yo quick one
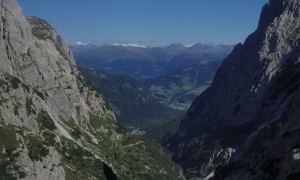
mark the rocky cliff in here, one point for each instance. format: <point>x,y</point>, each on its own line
<point>247,118</point>
<point>53,124</point>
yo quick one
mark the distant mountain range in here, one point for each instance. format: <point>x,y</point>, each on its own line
<point>174,74</point>
<point>144,63</point>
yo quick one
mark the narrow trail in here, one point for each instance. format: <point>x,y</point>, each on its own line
<point>135,144</point>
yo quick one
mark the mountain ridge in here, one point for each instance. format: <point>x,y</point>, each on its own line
<point>144,63</point>
<point>53,124</point>
<point>244,111</point>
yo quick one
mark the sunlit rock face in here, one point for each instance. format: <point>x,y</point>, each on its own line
<point>53,124</point>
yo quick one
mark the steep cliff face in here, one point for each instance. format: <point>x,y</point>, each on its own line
<point>34,54</point>
<point>246,106</point>
<point>53,124</point>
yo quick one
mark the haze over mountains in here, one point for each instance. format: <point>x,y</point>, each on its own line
<point>148,62</point>
<point>175,75</point>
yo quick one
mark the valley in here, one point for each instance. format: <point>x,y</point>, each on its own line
<point>130,110</point>
<point>144,106</point>
<point>179,88</point>
<point>175,75</point>
<point>132,103</point>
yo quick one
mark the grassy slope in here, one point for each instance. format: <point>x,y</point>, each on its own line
<point>133,105</point>
<point>95,152</point>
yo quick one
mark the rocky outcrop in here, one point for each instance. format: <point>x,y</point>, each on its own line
<point>247,105</point>
<point>53,124</point>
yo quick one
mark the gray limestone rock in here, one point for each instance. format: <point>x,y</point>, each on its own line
<point>245,108</point>
<point>53,124</point>
<point>39,80</point>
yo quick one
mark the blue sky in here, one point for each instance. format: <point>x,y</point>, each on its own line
<point>149,22</point>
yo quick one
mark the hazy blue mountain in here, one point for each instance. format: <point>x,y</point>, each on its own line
<point>144,63</point>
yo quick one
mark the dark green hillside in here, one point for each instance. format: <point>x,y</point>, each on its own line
<point>163,132</point>
<point>132,104</point>
<point>179,88</point>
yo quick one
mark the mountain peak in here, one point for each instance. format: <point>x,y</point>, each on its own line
<point>251,91</point>
<point>275,9</point>
<point>53,123</point>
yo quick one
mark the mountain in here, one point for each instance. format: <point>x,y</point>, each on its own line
<point>53,124</point>
<point>146,62</point>
<point>132,103</point>
<point>179,88</point>
<point>246,124</point>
